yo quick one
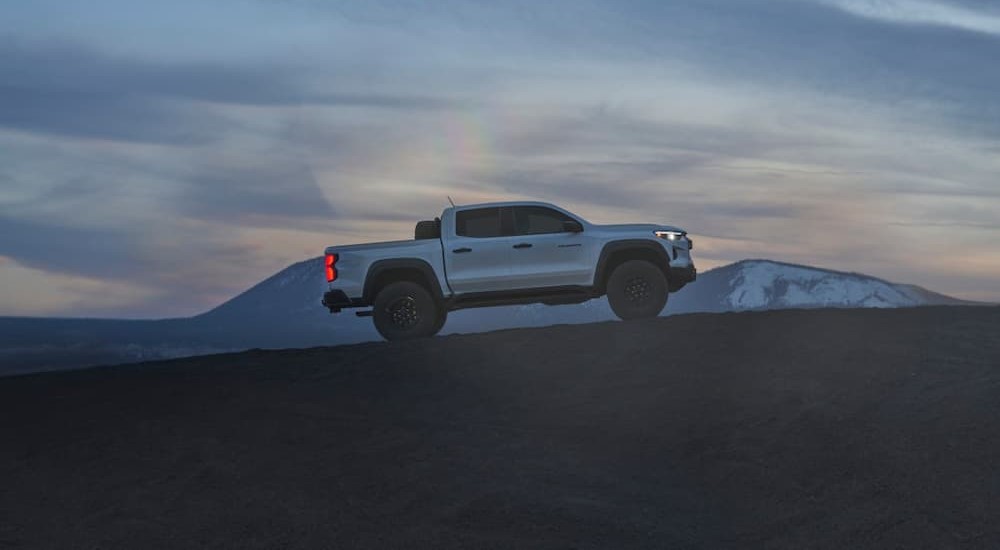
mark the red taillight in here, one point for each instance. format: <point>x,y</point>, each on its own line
<point>331,268</point>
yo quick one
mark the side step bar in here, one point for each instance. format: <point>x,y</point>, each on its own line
<point>546,295</point>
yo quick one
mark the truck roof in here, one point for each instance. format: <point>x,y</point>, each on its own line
<point>503,203</point>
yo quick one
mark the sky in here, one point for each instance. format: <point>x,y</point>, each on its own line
<point>156,159</point>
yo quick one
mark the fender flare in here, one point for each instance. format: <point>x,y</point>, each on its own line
<point>380,267</point>
<point>614,247</point>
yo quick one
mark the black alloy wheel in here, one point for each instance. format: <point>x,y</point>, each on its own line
<point>405,310</point>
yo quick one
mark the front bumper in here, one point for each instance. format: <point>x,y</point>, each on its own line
<point>686,273</point>
<point>682,275</point>
<point>336,300</point>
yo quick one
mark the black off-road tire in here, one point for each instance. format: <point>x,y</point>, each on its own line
<point>406,310</point>
<point>637,289</point>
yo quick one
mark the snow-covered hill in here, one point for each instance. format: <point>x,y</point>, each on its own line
<point>765,284</point>
<point>760,285</point>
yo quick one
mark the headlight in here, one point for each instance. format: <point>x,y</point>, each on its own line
<point>670,235</point>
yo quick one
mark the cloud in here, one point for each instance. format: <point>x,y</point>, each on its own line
<point>72,90</point>
<point>183,233</point>
<point>110,252</point>
<point>818,49</point>
<point>33,292</point>
<point>923,12</point>
<point>77,67</point>
<point>251,192</point>
<point>160,269</point>
<point>95,252</point>
<point>93,115</point>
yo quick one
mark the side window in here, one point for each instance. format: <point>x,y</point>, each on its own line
<point>537,220</point>
<point>479,223</point>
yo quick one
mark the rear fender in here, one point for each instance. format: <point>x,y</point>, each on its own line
<point>407,269</point>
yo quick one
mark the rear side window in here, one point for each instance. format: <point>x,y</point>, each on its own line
<point>479,223</point>
<point>537,220</point>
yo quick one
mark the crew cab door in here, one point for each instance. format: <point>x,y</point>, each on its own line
<point>477,250</point>
<point>545,254</point>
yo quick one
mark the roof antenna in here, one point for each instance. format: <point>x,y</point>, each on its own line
<point>451,201</point>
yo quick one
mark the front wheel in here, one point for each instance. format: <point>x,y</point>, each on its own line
<point>406,310</point>
<point>637,289</point>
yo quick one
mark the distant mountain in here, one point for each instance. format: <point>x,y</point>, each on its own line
<point>283,311</point>
<point>766,284</point>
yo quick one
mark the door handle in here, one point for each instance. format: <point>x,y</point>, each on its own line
<point>522,245</point>
<point>461,250</point>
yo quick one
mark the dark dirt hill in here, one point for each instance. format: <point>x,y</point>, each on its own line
<point>783,429</point>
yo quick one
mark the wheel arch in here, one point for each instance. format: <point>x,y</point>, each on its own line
<point>384,272</point>
<point>616,253</point>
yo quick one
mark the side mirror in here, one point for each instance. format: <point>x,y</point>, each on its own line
<point>572,226</point>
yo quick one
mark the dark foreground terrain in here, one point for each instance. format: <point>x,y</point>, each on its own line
<point>789,429</point>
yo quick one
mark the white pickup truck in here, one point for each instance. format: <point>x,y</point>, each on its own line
<point>506,253</point>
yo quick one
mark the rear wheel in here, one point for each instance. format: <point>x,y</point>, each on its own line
<point>637,289</point>
<point>406,310</point>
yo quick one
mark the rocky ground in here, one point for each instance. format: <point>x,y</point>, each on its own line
<point>785,429</point>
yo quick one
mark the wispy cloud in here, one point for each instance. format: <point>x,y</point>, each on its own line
<point>72,89</point>
<point>923,12</point>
